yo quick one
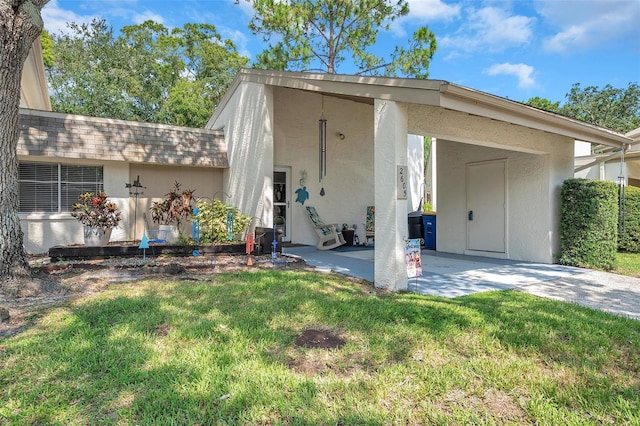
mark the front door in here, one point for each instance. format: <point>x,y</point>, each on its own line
<point>281,200</point>
<point>486,206</point>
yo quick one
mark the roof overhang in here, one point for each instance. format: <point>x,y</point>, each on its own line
<point>428,92</point>
<point>34,92</point>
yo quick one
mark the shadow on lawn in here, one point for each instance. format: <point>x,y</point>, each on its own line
<point>206,352</point>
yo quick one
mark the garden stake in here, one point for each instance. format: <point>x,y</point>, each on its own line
<point>274,253</point>
<point>195,226</point>
<point>249,247</point>
<point>230,225</point>
<point>144,245</point>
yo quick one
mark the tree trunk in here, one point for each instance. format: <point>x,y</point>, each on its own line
<point>20,24</point>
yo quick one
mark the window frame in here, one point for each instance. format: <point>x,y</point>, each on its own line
<point>61,186</point>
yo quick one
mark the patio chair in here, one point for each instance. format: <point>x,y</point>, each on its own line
<point>329,236</point>
<point>370,225</point>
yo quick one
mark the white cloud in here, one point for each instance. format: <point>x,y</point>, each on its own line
<point>423,12</point>
<point>589,23</point>
<point>490,29</point>
<point>55,18</point>
<point>246,7</point>
<point>521,71</point>
<point>147,15</point>
<point>432,10</point>
<point>238,38</point>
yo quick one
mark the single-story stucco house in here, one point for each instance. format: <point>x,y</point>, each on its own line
<point>500,164</point>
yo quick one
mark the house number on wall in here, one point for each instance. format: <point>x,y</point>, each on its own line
<point>402,180</point>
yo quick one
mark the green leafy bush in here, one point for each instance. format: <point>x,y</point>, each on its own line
<point>629,238</point>
<point>212,215</point>
<point>589,223</point>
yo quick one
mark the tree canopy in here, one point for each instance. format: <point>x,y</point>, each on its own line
<point>610,107</point>
<point>147,73</point>
<point>614,108</point>
<point>323,35</point>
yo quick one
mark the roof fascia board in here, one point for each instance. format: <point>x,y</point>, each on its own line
<point>425,92</point>
<point>34,77</point>
<point>479,103</point>
<point>634,134</point>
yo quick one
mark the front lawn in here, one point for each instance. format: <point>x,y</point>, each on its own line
<point>627,264</point>
<point>223,351</point>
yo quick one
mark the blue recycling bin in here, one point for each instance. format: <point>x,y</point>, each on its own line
<point>429,227</point>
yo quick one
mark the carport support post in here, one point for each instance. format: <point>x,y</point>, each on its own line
<point>390,151</point>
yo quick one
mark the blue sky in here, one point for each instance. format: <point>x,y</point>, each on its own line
<point>516,49</point>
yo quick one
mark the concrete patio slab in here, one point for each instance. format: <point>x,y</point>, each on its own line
<point>451,275</point>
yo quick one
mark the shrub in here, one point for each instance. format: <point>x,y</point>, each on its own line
<point>629,237</point>
<point>589,223</point>
<point>212,215</point>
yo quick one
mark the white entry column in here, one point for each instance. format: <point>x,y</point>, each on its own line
<point>390,151</point>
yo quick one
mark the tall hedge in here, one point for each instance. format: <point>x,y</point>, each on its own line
<point>589,223</point>
<point>629,238</point>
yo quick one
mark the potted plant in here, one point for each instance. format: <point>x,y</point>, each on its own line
<point>98,215</point>
<point>169,213</point>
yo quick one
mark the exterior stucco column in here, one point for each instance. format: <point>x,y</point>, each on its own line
<point>248,122</point>
<point>390,151</point>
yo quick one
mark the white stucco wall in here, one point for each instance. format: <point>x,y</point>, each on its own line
<point>247,122</point>
<point>158,180</point>
<point>348,184</point>
<point>533,194</point>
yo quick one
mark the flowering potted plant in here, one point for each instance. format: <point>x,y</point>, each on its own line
<point>98,215</point>
<point>169,213</point>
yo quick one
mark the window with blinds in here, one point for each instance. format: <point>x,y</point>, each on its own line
<point>53,188</point>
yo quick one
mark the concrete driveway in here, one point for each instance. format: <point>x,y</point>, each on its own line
<point>451,275</point>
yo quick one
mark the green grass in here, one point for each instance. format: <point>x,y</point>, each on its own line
<point>222,352</point>
<point>628,264</point>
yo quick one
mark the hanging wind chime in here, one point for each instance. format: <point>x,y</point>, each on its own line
<point>322,147</point>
